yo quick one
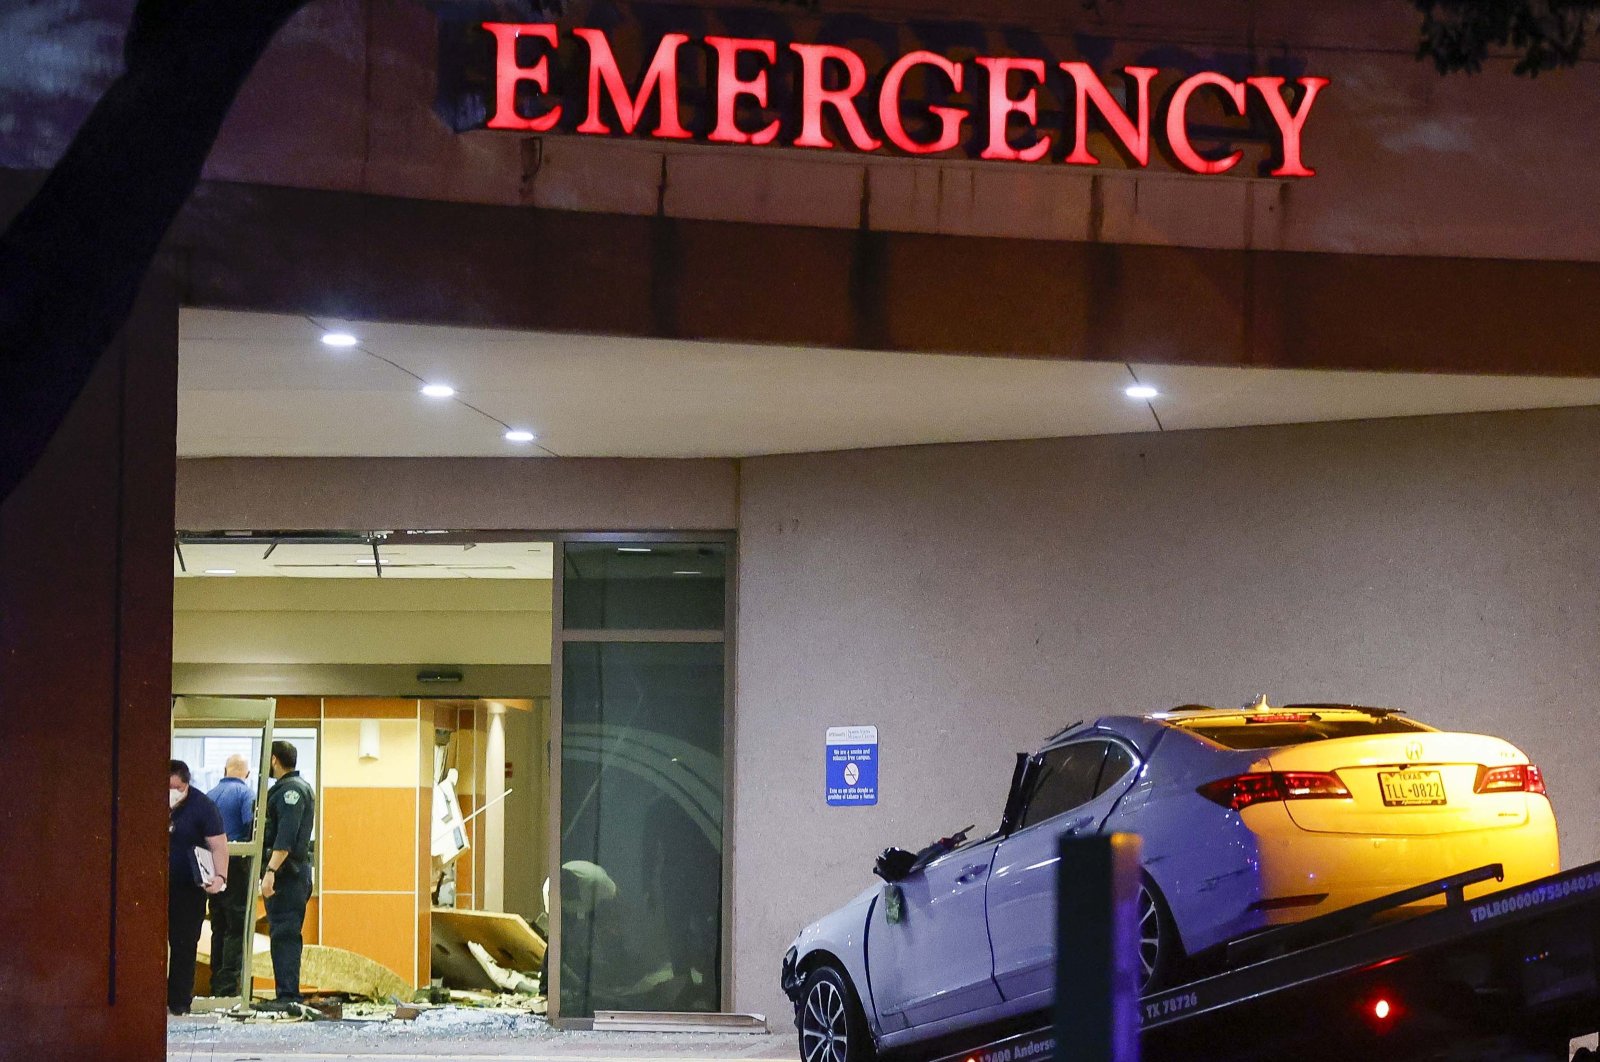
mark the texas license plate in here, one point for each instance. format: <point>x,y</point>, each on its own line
<point>1411,788</point>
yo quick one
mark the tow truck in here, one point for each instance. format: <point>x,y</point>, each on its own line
<point>1512,975</point>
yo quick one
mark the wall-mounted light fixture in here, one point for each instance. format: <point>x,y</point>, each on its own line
<point>367,743</point>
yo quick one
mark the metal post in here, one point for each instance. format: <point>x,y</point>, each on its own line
<point>1096,1015</point>
<point>252,850</point>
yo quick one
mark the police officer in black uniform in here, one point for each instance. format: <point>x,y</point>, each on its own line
<point>286,881</point>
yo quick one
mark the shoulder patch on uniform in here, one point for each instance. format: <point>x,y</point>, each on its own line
<point>291,797</point>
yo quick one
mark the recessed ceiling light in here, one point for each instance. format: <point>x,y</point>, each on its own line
<point>339,339</point>
<point>633,549</point>
<point>438,390</point>
<point>1141,391</point>
<point>366,560</point>
<point>222,571</point>
<point>517,435</point>
<point>688,573</point>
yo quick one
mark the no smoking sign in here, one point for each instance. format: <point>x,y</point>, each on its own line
<point>850,763</point>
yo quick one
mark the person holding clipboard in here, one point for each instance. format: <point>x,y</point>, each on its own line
<point>197,867</point>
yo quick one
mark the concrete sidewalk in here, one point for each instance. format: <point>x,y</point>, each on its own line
<point>455,1034</point>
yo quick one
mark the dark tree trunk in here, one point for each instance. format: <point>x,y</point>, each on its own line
<point>71,262</point>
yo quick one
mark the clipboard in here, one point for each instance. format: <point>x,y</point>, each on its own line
<point>205,866</point>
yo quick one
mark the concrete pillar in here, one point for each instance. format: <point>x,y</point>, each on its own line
<point>85,676</point>
<point>493,834</point>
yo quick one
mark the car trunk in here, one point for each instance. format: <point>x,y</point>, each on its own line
<point>1417,784</point>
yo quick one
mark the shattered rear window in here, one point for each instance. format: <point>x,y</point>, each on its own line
<point>1263,732</point>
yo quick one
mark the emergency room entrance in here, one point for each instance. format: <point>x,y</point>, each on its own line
<point>474,710</point>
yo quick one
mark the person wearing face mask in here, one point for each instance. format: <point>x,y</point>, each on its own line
<point>196,823</point>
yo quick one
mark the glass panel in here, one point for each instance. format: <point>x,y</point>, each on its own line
<point>206,751</point>
<point>1119,761</point>
<point>644,586</point>
<point>641,827</point>
<point>1269,733</point>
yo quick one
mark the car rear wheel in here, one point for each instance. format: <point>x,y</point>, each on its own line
<point>832,1027</point>
<point>1157,937</point>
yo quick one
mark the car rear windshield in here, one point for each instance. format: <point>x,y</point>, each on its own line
<point>1241,732</point>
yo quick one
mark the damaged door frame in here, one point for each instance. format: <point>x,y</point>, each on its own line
<point>196,712</point>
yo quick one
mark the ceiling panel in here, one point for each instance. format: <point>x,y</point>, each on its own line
<point>1193,397</point>
<point>286,366</point>
<point>311,423</point>
<point>262,385</point>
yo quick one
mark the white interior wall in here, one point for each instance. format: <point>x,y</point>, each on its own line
<point>223,620</point>
<point>526,809</point>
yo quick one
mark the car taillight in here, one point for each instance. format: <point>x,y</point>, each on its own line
<point>1242,790</point>
<point>1521,778</point>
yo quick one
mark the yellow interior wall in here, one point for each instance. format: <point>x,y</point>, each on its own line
<point>349,621</point>
<point>373,885</point>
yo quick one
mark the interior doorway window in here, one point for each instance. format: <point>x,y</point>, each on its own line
<point>644,586</point>
<point>207,751</point>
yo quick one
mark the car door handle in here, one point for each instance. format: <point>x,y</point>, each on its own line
<point>970,874</point>
<point>1079,823</point>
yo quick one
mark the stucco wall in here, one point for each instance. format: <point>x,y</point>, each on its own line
<point>478,494</point>
<point>970,600</point>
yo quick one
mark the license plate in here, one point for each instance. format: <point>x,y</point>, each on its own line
<point>1411,788</point>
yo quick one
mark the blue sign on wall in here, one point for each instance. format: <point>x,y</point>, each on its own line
<point>851,761</point>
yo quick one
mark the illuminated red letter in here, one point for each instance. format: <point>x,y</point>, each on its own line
<point>1178,122</point>
<point>889,105</point>
<point>813,96</point>
<point>730,87</point>
<point>508,74</point>
<point>1002,106</point>
<point>663,73</point>
<point>1136,138</point>
<point>1290,125</point>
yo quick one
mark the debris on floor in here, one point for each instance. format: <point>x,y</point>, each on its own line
<point>476,1020</point>
<point>440,1034</point>
<point>510,1003</point>
<point>488,963</point>
<point>507,940</point>
<point>323,970</point>
<point>505,980</point>
<point>474,1010</point>
<point>333,970</point>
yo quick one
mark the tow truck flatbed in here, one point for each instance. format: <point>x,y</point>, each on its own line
<point>1514,974</point>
